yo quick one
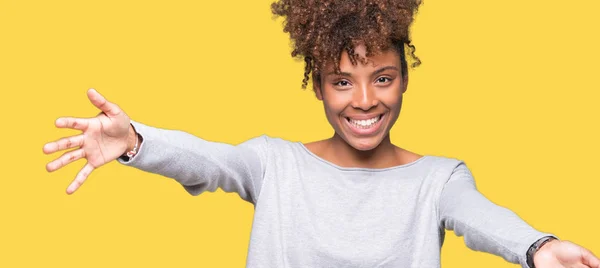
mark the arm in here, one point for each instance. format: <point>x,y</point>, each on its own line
<point>485,226</point>
<point>201,165</point>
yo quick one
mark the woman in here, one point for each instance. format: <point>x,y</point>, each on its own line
<point>353,200</point>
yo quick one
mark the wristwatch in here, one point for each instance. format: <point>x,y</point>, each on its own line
<point>535,247</point>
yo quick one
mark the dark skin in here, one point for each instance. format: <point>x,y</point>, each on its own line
<point>363,91</point>
<point>376,88</point>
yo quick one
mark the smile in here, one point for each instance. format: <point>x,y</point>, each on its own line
<point>365,126</point>
<point>364,123</point>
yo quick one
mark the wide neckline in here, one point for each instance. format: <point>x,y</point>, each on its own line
<point>322,160</point>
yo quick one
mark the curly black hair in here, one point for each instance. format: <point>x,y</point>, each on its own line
<point>321,29</point>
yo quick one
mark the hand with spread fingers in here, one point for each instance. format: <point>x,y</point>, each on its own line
<point>564,254</point>
<point>104,138</point>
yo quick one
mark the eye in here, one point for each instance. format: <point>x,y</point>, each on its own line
<point>383,79</point>
<point>342,83</point>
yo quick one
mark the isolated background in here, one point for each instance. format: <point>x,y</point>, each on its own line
<point>511,87</point>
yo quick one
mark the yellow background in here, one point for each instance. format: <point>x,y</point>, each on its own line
<point>511,87</point>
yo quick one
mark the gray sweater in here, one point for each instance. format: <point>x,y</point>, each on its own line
<point>312,213</point>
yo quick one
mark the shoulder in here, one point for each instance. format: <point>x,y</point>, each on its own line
<point>445,167</point>
<point>268,143</point>
<point>449,169</point>
<point>444,162</point>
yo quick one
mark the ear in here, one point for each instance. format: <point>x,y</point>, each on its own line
<point>317,87</point>
<point>404,83</point>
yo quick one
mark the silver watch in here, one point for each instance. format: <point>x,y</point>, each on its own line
<point>535,247</point>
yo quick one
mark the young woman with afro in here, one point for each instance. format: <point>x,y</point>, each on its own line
<point>352,200</point>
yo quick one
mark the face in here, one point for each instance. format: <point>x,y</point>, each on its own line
<point>363,101</point>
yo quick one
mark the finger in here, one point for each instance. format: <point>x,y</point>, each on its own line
<point>63,144</point>
<point>109,108</point>
<point>72,122</point>
<point>589,259</point>
<point>65,159</point>
<point>80,178</point>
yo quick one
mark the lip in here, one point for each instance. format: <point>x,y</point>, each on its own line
<point>365,131</point>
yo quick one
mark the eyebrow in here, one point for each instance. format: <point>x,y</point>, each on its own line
<point>378,71</point>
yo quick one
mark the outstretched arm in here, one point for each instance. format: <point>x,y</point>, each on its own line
<point>494,229</point>
<point>491,228</point>
<point>200,165</point>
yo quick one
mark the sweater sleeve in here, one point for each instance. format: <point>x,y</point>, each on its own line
<point>485,226</point>
<point>200,165</point>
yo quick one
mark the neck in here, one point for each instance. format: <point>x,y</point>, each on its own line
<point>384,155</point>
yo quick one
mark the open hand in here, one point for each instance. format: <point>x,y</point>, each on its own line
<point>104,139</point>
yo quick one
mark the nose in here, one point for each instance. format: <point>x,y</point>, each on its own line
<point>364,98</point>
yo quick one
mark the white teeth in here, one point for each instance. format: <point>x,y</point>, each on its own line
<point>365,123</point>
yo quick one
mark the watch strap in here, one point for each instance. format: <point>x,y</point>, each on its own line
<point>535,247</point>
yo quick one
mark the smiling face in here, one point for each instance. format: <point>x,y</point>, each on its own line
<point>363,101</point>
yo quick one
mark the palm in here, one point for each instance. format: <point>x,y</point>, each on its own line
<point>103,140</point>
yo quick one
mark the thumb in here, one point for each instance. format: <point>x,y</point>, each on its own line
<point>109,108</point>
